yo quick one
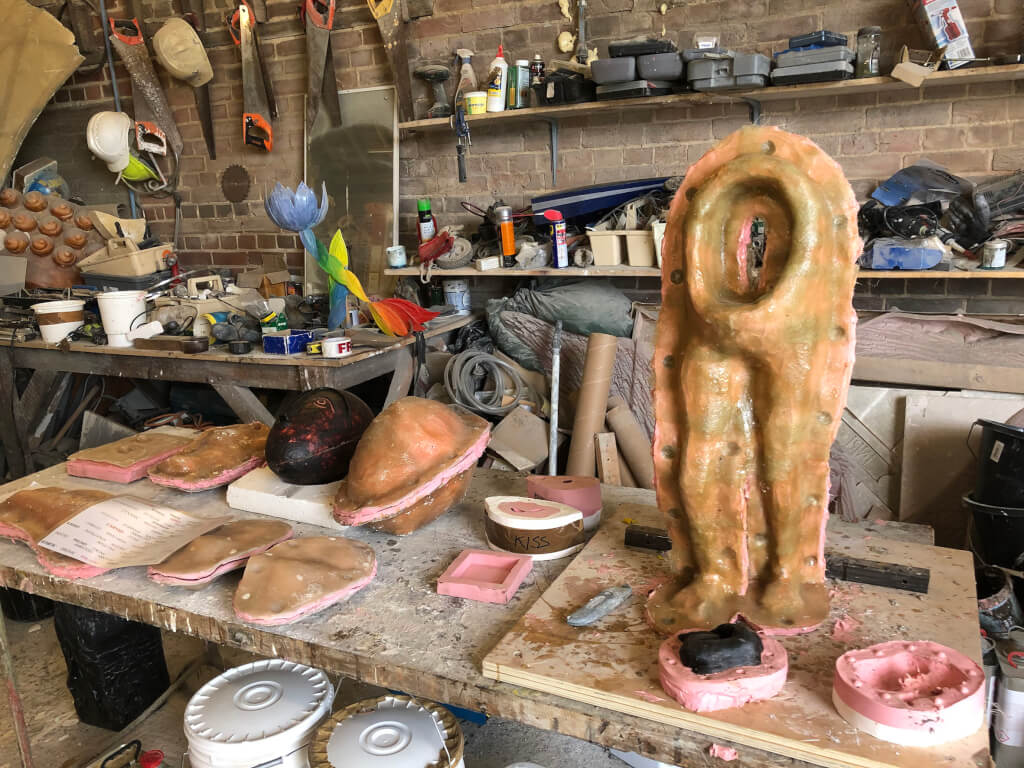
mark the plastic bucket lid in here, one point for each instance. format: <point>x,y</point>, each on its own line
<point>257,712</point>
<point>390,732</point>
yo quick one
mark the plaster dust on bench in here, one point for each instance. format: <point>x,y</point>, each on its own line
<point>614,664</point>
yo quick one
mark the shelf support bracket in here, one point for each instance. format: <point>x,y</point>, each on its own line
<point>755,110</point>
<point>553,147</point>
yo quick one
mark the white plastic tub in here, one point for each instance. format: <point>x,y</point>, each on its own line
<point>59,318</point>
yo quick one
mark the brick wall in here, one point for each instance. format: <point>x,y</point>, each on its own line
<point>974,130</point>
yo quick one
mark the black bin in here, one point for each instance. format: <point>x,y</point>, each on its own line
<point>1000,465</point>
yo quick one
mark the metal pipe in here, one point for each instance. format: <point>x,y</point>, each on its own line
<point>556,375</point>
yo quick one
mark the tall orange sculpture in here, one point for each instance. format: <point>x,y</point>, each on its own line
<point>752,366</point>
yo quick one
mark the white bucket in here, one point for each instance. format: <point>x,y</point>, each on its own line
<point>121,311</point>
<point>257,713</point>
<point>59,318</point>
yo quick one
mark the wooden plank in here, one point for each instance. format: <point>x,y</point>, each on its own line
<point>935,435</point>
<point>390,633</point>
<point>13,448</point>
<point>244,403</point>
<point>614,664</point>
<point>940,374</point>
<point>838,88</point>
<point>1013,273</point>
<point>607,455</point>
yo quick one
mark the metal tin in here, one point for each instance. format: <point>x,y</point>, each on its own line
<point>396,256</point>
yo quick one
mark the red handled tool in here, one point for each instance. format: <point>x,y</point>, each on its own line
<point>323,85</point>
<point>256,110</point>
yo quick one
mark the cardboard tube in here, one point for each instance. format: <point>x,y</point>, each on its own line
<point>634,444</point>
<point>593,399</point>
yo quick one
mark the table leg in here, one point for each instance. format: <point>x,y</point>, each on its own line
<point>13,698</point>
<point>244,403</point>
<point>401,380</point>
<point>8,428</point>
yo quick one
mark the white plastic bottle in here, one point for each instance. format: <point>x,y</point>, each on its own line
<point>497,82</point>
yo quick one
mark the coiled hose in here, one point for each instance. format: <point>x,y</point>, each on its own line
<point>465,369</point>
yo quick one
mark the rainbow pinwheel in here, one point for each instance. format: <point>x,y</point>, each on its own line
<point>298,211</point>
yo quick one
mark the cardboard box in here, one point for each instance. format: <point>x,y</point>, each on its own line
<point>944,27</point>
<point>270,280</point>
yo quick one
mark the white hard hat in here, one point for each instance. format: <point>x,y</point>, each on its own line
<point>107,136</point>
<point>180,51</point>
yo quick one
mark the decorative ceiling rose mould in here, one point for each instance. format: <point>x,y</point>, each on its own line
<point>745,418</point>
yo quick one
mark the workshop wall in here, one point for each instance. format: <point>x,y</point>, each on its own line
<point>973,130</point>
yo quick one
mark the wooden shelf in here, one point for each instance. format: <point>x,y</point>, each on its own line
<point>542,272</point>
<point>865,274</point>
<point>772,93</point>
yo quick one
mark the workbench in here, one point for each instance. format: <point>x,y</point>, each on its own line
<point>232,376</point>
<point>397,632</point>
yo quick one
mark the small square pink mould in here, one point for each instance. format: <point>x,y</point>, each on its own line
<point>479,574</point>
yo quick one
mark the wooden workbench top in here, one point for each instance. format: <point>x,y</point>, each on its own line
<point>397,632</point>
<point>436,327</point>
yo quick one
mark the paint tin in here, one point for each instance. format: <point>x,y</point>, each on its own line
<point>993,254</point>
<point>476,102</point>
<point>456,294</point>
<point>257,713</point>
<point>396,256</point>
<point>544,530</point>
<point>394,731</point>
<point>337,346</point>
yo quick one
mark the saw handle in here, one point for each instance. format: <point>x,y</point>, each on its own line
<point>257,131</point>
<point>234,26</point>
<point>128,24</point>
<point>323,19</point>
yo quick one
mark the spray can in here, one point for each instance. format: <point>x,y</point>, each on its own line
<point>536,79</point>
<point>497,82</point>
<point>559,249</point>
<point>507,234</point>
<point>427,224</point>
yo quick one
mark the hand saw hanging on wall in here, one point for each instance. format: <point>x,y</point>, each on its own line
<point>256,111</point>
<point>155,126</point>
<point>323,84</point>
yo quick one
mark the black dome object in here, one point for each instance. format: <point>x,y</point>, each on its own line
<point>315,435</point>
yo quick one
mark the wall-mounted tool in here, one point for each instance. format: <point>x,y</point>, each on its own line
<point>581,37</point>
<point>256,111</point>
<point>180,51</point>
<point>462,139</point>
<point>437,76</point>
<point>389,17</point>
<point>152,112</point>
<point>323,84</point>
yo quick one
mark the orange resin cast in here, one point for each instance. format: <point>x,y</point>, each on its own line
<point>752,367</point>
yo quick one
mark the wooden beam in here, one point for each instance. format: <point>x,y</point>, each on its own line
<point>244,403</point>
<point>401,379</point>
<point>943,375</point>
<point>8,429</point>
<point>607,454</point>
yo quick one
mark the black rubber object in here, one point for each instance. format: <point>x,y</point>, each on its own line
<point>239,347</point>
<point>725,647</point>
<point>116,668</point>
<point>21,606</point>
